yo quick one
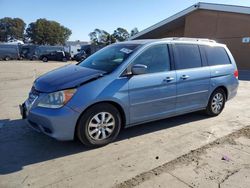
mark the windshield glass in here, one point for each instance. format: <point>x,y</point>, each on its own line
<point>109,58</point>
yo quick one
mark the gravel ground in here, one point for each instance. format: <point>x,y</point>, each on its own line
<point>185,151</point>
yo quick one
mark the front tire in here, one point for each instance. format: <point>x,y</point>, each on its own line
<point>216,102</point>
<point>99,125</point>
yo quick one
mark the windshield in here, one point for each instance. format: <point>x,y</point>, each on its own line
<point>109,58</point>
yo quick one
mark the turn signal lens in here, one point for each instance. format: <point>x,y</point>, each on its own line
<point>68,94</point>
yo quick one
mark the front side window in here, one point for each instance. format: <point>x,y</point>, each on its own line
<point>187,56</point>
<point>156,58</point>
<point>109,58</point>
<point>216,55</point>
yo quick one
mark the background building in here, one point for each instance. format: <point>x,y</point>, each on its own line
<point>226,24</point>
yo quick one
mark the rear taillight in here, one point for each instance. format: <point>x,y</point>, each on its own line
<point>236,73</point>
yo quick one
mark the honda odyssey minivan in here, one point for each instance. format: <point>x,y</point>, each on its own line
<point>130,83</point>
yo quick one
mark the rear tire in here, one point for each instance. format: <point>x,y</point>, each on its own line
<point>64,59</point>
<point>45,59</point>
<point>7,58</point>
<point>216,102</point>
<point>99,125</point>
<point>33,58</point>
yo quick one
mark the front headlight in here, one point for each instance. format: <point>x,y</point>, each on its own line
<point>57,99</point>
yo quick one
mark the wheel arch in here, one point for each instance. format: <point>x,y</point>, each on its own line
<point>115,104</point>
<point>221,87</point>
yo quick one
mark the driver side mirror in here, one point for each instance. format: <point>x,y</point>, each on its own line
<point>138,69</point>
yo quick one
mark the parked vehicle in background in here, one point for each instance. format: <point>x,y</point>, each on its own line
<point>38,51</point>
<point>55,56</point>
<point>15,41</point>
<point>80,56</point>
<point>9,52</point>
<point>130,83</point>
<point>27,50</point>
<point>86,51</point>
<point>73,47</point>
<point>73,50</point>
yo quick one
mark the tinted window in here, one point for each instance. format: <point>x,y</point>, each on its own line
<point>187,56</point>
<point>216,56</point>
<point>156,58</point>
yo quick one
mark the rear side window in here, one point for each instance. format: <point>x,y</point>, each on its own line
<point>187,56</point>
<point>216,55</point>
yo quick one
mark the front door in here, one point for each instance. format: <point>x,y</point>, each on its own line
<point>152,95</point>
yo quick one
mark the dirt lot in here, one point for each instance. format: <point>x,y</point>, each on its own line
<point>185,151</point>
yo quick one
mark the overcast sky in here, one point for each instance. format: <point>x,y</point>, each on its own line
<point>83,16</point>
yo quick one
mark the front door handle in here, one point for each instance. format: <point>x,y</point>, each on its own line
<point>168,79</point>
<point>184,77</point>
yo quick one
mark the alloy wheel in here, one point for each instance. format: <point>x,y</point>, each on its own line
<point>217,103</point>
<point>101,126</point>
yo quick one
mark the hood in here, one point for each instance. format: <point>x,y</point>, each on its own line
<point>65,77</point>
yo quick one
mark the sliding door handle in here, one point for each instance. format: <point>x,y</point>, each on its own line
<point>184,77</point>
<point>168,79</point>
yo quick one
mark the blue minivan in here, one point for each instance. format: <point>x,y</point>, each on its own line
<point>130,83</point>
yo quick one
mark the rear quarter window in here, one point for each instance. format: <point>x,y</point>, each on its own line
<point>216,56</point>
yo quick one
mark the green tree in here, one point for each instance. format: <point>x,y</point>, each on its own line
<point>11,28</point>
<point>47,32</point>
<point>101,37</point>
<point>121,34</point>
<point>134,32</point>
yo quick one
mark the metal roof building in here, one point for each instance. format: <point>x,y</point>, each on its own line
<point>227,24</point>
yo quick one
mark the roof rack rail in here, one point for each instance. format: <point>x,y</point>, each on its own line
<point>190,39</point>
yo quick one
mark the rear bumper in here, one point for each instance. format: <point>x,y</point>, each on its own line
<point>57,123</point>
